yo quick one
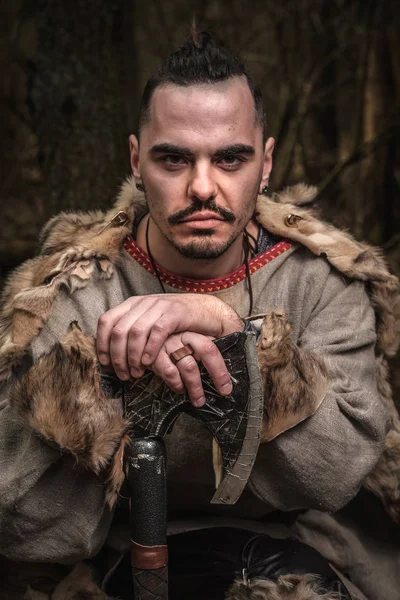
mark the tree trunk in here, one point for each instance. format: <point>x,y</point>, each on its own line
<point>70,103</point>
<point>82,98</point>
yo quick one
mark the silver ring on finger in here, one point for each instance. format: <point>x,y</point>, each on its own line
<point>177,355</point>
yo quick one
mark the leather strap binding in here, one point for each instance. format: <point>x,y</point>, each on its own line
<point>148,557</point>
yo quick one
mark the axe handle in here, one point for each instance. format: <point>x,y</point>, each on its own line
<point>148,518</point>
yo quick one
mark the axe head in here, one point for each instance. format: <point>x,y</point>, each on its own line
<point>235,421</point>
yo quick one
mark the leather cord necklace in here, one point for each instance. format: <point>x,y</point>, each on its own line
<point>153,263</point>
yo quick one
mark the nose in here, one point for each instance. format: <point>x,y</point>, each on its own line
<point>202,184</point>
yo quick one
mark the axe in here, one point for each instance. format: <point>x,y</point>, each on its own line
<point>235,423</point>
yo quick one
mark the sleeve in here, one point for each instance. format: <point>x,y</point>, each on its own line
<point>322,461</point>
<point>50,510</point>
<point>59,436</point>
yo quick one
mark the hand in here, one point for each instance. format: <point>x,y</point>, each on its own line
<point>130,336</point>
<point>185,374</point>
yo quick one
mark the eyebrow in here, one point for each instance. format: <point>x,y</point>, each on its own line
<point>170,149</point>
<point>235,149</point>
<point>166,148</point>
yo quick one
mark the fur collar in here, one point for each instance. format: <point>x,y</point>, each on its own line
<point>284,215</point>
<point>76,245</point>
<point>73,244</point>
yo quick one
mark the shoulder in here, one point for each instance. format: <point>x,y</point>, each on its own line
<point>347,259</point>
<point>76,250</point>
<point>286,215</point>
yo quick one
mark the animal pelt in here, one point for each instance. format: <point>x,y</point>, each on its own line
<point>18,577</point>
<point>76,246</point>
<point>78,585</point>
<point>287,587</point>
<point>48,581</point>
<point>285,217</point>
<point>62,400</point>
<point>295,380</point>
<point>73,246</point>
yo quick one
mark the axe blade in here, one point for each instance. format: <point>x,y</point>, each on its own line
<point>234,421</point>
<point>236,474</point>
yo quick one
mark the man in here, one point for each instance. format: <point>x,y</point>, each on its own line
<point>201,160</point>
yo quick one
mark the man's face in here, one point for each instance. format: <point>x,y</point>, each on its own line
<point>202,162</point>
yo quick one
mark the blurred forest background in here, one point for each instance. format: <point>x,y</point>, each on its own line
<point>72,75</point>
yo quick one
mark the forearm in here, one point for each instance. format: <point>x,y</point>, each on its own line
<point>53,477</point>
<point>49,509</point>
<point>322,460</point>
<point>58,437</point>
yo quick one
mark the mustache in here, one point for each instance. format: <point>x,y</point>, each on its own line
<point>197,207</point>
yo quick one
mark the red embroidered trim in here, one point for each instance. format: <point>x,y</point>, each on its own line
<point>204,285</point>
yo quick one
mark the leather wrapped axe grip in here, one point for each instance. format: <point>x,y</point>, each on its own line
<point>148,518</point>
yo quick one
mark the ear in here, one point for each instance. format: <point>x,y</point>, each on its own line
<point>134,154</point>
<point>268,150</point>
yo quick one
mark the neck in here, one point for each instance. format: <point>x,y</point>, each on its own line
<point>168,257</point>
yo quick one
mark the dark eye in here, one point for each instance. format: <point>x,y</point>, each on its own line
<point>231,161</point>
<point>173,159</point>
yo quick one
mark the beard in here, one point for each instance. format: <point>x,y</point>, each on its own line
<point>203,246</point>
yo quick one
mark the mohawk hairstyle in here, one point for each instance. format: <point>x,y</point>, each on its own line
<point>202,59</point>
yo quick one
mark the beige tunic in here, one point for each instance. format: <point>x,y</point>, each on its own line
<point>49,510</point>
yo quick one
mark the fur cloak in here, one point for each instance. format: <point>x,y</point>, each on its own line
<point>74,245</point>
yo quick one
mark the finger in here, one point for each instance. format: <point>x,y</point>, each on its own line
<point>190,375</point>
<point>164,368</point>
<point>151,319</point>
<point>165,325</point>
<point>206,315</point>
<point>106,324</point>
<point>212,359</point>
<point>127,340</point>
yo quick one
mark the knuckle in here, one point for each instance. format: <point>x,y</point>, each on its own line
<point>103,320</point>
<point>118,364</point>
<point>170,372</point>
<point>191,367</point>
<point>151,346</point>
<point>221,377</point>
<point>118,333</point>
<point>137,330</point>
<point>196,391</point>
<point>167,302</point>
<point>133,360</point>
<point>211,349</point>
<point>159,327</point>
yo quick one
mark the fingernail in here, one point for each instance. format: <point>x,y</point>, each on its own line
<point>135,373</point>
<point>199,402</point>
<point>226,388</point>
<point>104,359</point>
